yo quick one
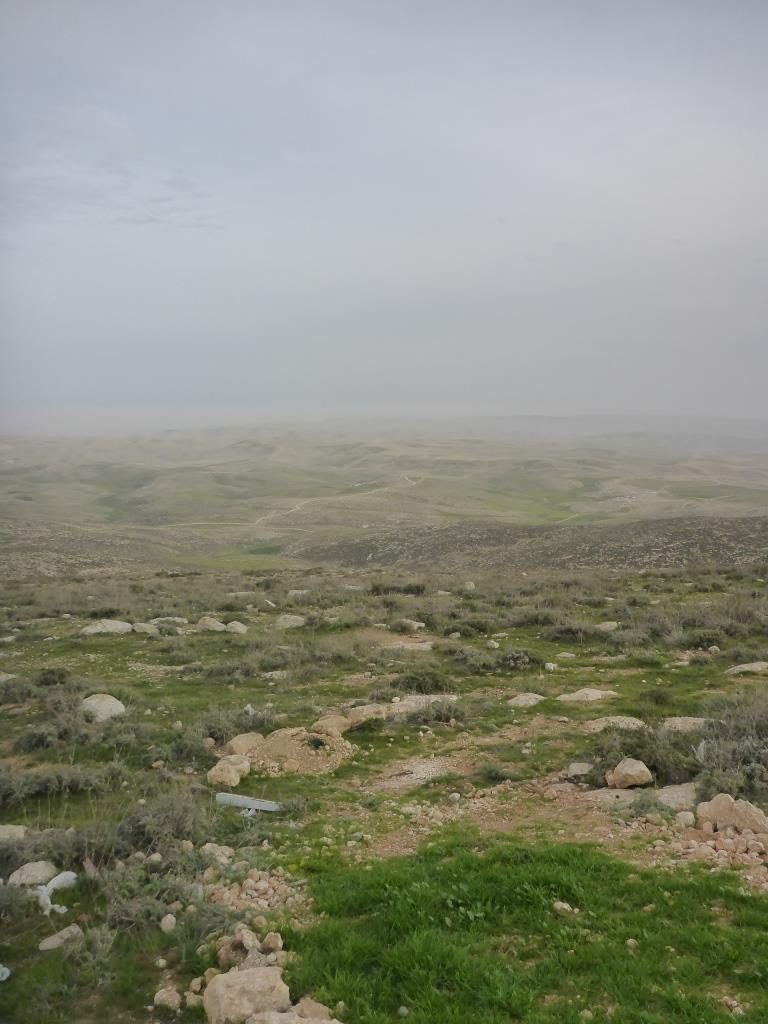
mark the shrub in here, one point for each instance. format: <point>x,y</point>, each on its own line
<point>422,679</point>
<point>438,711</point>
<point>152,826</point>
<point>669,755</point>
<point>57,676</point>
<point>733,753</point>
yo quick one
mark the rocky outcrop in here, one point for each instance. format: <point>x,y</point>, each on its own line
<point>722,812</point>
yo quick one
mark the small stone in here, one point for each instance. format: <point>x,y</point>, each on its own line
<point>168,923</point>
<point>72,933</point>
<point>272,942</point>
<point>168,998</point>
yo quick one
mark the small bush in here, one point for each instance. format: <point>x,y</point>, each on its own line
<point>422,679</point>
<point>441,711</point>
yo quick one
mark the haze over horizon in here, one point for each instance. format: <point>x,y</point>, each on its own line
<point>443,208</point>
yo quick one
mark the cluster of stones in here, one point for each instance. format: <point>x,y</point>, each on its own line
<point>266,890</point>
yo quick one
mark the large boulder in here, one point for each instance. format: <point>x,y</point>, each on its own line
<point>35,872</point>
<point>102,706</point>
<point>607,627</point>
<point>586,695</point>
<point>723,812</point>
<point>750,668</point>
<point>614,722</point>
<point>525,700</point>
<point>684,723</point>
<point>289,621</point>
<point>233,997</point>
<point>210,625</point>
<point>678,798</point>
<point>12,833</point>
<point>113,626</point>
<point>229,770</point>
<point>243,743</point>
<point>332,725</point>
<point>148,628</point>
<point>628,772</point>
<point>237,627</point>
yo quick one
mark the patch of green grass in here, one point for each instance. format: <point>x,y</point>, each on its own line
<point>465,931</point>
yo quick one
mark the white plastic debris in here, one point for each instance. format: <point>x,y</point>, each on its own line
<point>5,973</point>
<point>64,880</point>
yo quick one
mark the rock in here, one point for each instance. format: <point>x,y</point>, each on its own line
<point>168,923</point>
<point>493,645</point>
<point>211,625</point>
<point>550,666</point>
<point>244,743</point>
<point>288,621</point>
<point>272,942</point>
<point>723,811</point>
<point>232,997</point>
<point>627,773</point>
<point>468,587</point>
<point>613,722</point>
<point>612,798</point>
<point>525,700</point>
<point>149,628</point>
<point>413,625</point>
<point>221,855</point>
<point>169,620</point>
<point>578,769</point>
<point>309,1009</point>
<point>684,723</point>
<point>415,646</point>
<point>72,933</point>
<point>607,627</point>
<point>102,706</point>
<point>563,909</point>
<point>6,677</point>
<point>586,695</point>
<point>112,626</point>
<point>677,798</point>
<point>332,725</point>
<point>229,770</point>
<point>35,872</point>
<point>237,627</point>
<point>167,998</point>
<point>750,668</point>
<point>10,833</point>
<point>685,819</point>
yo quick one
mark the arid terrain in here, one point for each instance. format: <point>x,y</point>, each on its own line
<point>506,699</point>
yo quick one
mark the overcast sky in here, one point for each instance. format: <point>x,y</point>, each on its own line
<point>530,206</point>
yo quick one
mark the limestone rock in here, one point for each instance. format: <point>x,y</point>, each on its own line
<point>237,627</point>
<point>243,743</point>
<point>607,627</point>
<point>148,628</point>
<point>309,1009</point>
<point>332,725</point>
<point>613,722</point>
<point>678,798</point>
<point>723,811</point>
<point>750,668</point>
<point>629,772</point>
<point>9,833</point>
<point>35,872</point>
<point>211,625</point>
<point>684,723</point>
<point>586,695</point>
<point>168,923</point>
<point>578,769</point>
<point>289,621</point>
<point>233,997</point>
<point>168,998</point>
<point>169,620</point>
<point>72,933</point>
<point>110,626</point>
<point>229,770</point>
<point>525,700</point>
<point>102,706</point>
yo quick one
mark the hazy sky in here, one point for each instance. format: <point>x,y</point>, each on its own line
<point>523,206</point>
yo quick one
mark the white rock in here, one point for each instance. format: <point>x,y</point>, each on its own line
<point>148,628</point>
<point>525,700</point>
<point>36,872</point>
<point>750,668</point>
<point>168,998</point>
<point>169,620</point>
<point>586,695</point>
<point>684,723</point>
<point>112,626</point>
<point>685,819</point>
<point>613,722</point>
<point>578,769</point>
<point>9,833</point>
<point>102,706</point>
<point>72,933</point>
<point>288,621</point>
<point>237,627</point>
<point>723,811</point>
<point>210,625</point>
<point>233,997</point>
<point>677,798</point>
<point>627,773</point>
<point>168,923</point>
<point>607,627</point>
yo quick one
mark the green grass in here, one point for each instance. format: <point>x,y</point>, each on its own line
<point>465,931</point>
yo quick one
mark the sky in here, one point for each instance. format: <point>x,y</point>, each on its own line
<point>221,210</point>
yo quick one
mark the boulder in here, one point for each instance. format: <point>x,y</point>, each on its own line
<point>365,713</point>
<point>289,621</point>
<point>148,628</point>
<point>750,668</point>
<point>168,998</point>
<point>35,872</point>
<point>525,700</point>
<point>684,723</point>
<point>102,706</point>
<point>578,769</point>
<point>237,627</point>
<point>309,1009</point>
<point>613,722</point>
<point>229,770</point>
<point>678,798</point>
<point>112,626</point>
<point>607,627</point>
<point>723,811</point>
<point>332,725</point>
<point>586,695</point>
<point>211,625</point>
<point>243,743</point>
<point>628,772</point>
<point>72,933</point>
<point>169,620</point>
<point>233,997</point>
<point>413,624</point>
<point>10,833</point>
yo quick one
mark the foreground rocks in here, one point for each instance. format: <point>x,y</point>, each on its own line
<point>629,772</point>
<point>233,997</point>
<point>722,812</point>
<point>100,707</point>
